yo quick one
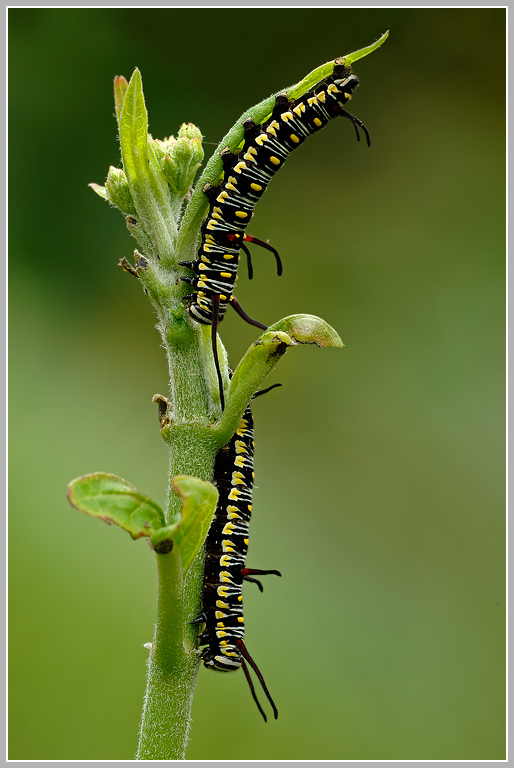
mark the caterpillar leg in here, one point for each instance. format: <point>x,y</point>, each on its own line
<point>242,648</point>
<point>200,619</point>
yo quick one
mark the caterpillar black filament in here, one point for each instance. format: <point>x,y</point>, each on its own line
<point>246,175</point>
<point>225,568</point>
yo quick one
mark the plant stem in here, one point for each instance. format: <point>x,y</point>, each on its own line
<point>172,666</point>
<point>174,661</point>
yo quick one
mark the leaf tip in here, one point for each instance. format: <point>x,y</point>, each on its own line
<point>100,191</point>
<point>120,88</point>
<point>308,329</point>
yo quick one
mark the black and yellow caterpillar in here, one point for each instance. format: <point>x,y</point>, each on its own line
<point>225,563</point>
<point>246,175</point>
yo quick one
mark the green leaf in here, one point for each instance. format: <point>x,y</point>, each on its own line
<point>114,500</point>
<point>308,329</point>
<point>199,504</point>
<point>320,73</point>
<point>351,57</point>
<point>254,367</point>
<point>134,132</point>
<point>101,191</point>
<point>262,357</point>
<point>145,177</point>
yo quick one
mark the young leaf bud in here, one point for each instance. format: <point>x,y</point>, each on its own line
<point>118,190</point>
<point>120,86</point>
<point>187,155</point>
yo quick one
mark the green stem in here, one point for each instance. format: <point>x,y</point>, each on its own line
<point>174,661</point>
<point>189,390</point>
<point>173,664</point>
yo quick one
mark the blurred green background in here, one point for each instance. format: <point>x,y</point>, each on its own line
<point>379,468</point>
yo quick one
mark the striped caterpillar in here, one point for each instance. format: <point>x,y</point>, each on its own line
<point>225,568</point>
<point>246,175</point>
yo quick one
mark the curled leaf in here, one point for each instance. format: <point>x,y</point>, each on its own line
<point>308,329</point>
<point>261,358</point>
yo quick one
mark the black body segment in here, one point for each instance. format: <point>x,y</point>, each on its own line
<point>246,175</point>
<point>225,563</point>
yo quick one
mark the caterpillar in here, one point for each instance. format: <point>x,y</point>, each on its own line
<point>246,175</point>
<point>225,568</point>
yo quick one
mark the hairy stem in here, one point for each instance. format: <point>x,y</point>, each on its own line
<point>174,661</point>
<point>172,666</point>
